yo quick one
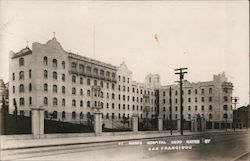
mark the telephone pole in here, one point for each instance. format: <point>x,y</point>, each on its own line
<point>235,102</point>
<point>181,72</point>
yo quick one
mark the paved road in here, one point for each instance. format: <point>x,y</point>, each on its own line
<point>218,147</point>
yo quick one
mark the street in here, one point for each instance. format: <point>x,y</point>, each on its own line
<point>209,146</point>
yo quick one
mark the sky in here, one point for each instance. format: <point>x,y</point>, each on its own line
<point>208,37</point>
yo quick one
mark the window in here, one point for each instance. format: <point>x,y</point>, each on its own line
<point>95,82</point>
<point>107,74</point>
<point>74,115</point>
<point>176,100</point>
<point>202,99</point>
<point>30,73</point>
<point>189,108</point>
<point>13,89</point>
<point>101,83</point>
<point>45,101</point>
<point>46,115</point>
<point>225,115</point>
<point>81,68</point>
<point>88,104</point>
<point>195,99</point>
<point>189,116</point>
<point>113,96</point>
<point>189,99</point>
<point>54,101</point>
<point>107,105</point>
<point>225,98</point>
<point>88,82</point>
<point>123,88</point>
<point>81,115</point>
<point>128,80</point>
<point>210,91</point>
<point>88,92</point>
<point>225,107</point>
<point>88,69</point>
<point>113,86</point>
<point>195,91</point>
<point>73,79</point>
<point>81,103</point>
<point>21,88</point>
<point>202,91</point>
<point>176,92</point>
<point>81,92</point>
<point>102,72</point>
<point>21,75</point>
<point>202,108</point>
<point>13,76</point>
<point>73,90</point>
<point>54,63</point>
<point>30,87</point>
<point>210,99</point>
<point>63,89</point>
<point>21,101</point>
<point>55,88</point>
<point>107,115</point>
<point>63,102</point>
<point>81,80</point>
<point>45,87</point>
<point>210,107</point>
<point>63,77</point>
<point>63,115</point>
<point>164,93</point>
<point>164,109</point>
<point>176,109</point>
<point>195,108</point>
<point>73,102</point>
<point>225,90</point>
<point>21,62</point>
<point>63,64</point>
<point>54,114</point>
<point>189,91</point>
<point>113,106</point>
<point>123,79</point>
<point>107,85</point>
<point>54,75</point>
<point>95,71</point>
<point>45,60</point>
<point>210,116</point>
<point>30,100</point>
<point>45,74</point>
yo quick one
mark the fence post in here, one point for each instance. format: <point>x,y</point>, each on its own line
<point>160,123</point>
<point>37,122</point>
<point>98,123</point>
<point>135,123</point>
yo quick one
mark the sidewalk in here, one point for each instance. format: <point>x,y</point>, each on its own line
<point>8,144</point>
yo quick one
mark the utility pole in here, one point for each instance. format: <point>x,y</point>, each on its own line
<point>235,101</point>
<point>170,109</point>
<point>181,72</point>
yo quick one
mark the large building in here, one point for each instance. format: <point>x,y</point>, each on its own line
<point>65,84</point>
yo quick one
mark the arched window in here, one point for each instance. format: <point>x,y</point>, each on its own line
<point>13,76</point>
<point>63,64</point>
<point>95,82</point>
<point>81,68</point>
<point>102,72</point>
<point>45,101</point>
<point>21,75</point>
<point>74,115</point>
<point>54,63</point>
<point>81,92</point>
<point>95,71</point>
<point>81,103</point>
<point>210,116</point>
<point>30,73</point>
<point>45,74</point>
<point>63,102</point>
<point>73,102</point>
<point>73,66</point>
<point>21,101</point>
<point>55,88</point>
<point>88,92</point>
<point>108,74</point>
<point>63,89</point>
<point>88,69</point>
<point>54,101</point>
<point>21,62</point>
<point>81,80</point>
<point>88,104</point>
<point>30,87</point>
<point>73,79</point>
<point>30,100</point>
<point>88,82</point>
<point>21,88</point>
<point>13,89</point>
<point>63,115</point>
<point>45,60</point>
<point>63,77</point>
<point>46,114</point>
<point>54,75</point>
<point>73,90</point>
<point>45,87</point>
<point>54,114</point>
